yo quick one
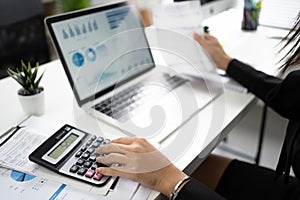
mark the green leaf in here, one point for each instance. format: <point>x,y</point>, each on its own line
<point>18,70</point>
<point>15,76</point>
<point>29,70</point>
<point>20,81</point>
<point>33,77</point>
<point>31,89</point>
<point>11,72</point>
<point>36,85</point>
<point>23,77</point>
<point>26,76</point>
<point>25,70</point>
<point>28,83</point>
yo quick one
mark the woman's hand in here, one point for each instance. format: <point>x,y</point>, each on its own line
<point>214,50</point>
<point>138,160</point>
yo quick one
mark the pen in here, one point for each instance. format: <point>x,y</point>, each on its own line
<point>7,132</point>
<point>112,187</point>
<point>276,37</point>
<point>13,130</point>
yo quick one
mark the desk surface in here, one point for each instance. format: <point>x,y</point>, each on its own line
<point>212,123</point>
<point>62,107</point>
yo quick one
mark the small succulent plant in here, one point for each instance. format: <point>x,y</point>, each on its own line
<point>28,78</point>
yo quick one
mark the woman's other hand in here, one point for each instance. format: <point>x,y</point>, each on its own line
<point>214,50</point>
<point>137,160</point>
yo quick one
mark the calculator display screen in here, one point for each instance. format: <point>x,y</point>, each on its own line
<point>63,146</point>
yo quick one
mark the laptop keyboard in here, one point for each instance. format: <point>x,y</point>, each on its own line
<point>125,101</point>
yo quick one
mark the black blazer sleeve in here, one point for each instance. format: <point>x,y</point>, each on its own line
<point>195,190</point>
<point>281,95</point>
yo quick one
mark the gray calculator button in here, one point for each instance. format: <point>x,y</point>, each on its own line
<point>100,139</point>
<point>88,143</point>
<point>82,171</point>
<point>85,156</point>
<point>87,164</point>
<point>94,166</point>
<point>74,168</point>
<point>90,150</point>
<point>96,144</point>
<point>80,161</point>
<point>83,148</point>
<point>93,158</point>
<point>78,154</point>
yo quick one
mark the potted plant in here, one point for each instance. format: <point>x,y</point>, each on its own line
<point>31,95</point>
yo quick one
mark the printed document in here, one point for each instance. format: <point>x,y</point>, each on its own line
<point>15,152</point>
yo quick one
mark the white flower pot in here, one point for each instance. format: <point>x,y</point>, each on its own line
<point>33,104</point>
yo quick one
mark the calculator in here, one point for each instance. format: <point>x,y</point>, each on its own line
<point>70,152</point>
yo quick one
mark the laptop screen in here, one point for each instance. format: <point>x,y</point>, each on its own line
<point>100,48</point>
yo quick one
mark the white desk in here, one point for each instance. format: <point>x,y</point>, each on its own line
<point>60,106</point>
<point>217,119</point>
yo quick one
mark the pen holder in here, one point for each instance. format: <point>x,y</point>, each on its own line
<point>250,19</point>
<point>251,14</point>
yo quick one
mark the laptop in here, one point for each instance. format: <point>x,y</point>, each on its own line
<point>110,67</point>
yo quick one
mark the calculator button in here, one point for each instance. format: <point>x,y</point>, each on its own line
<point>74,169</point>
<point>97,176</point>
<point>92,158</point>
<point>88,143</point>
<point>78,154</point>
<point>94,166</point>
<point>90,173</point>
<point>82,171</point>
<point>83,148</point>
<point>96,144</point>
<point>80,161</point>
<point>87,164</point>
<point>85,156</point>
<point>100,139</point>
<point>93,137</point>
<point>106,141</point>
<point>91,150</point>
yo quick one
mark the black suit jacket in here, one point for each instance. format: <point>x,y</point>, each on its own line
<point>283,96</point>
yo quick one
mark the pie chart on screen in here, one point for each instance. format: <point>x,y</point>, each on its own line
<point>90,55</point>
<point>20,176</point>
<point>78,59</point>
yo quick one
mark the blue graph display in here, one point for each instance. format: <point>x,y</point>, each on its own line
<point>116,17</point>
<point>21,177</point>
<point>90,55</point>
<point>78,59</point>
<point>80,29</point>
